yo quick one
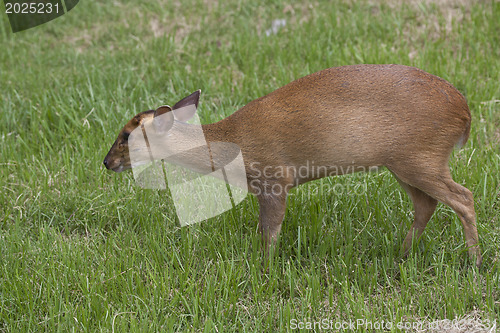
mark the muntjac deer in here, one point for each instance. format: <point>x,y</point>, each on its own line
<point>344,119</point>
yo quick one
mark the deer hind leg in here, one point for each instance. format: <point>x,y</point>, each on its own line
<point>424,206</point>
<point>437,183</point>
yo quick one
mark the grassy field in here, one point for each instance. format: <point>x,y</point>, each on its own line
<point>83,249</point>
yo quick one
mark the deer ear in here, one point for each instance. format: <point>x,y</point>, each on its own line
<point>186,107</point>
<point>163,119</point>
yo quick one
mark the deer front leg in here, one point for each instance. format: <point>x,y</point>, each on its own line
<point>271,214</point>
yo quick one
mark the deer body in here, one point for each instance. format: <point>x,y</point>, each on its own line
<point>342,120</point>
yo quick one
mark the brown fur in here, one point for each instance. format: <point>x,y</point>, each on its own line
<point>118,155</point>
<point>348,119</point>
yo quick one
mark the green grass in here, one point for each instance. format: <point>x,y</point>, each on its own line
<point>83,249</point>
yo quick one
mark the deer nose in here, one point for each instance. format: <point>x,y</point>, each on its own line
<point>106,163</point>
